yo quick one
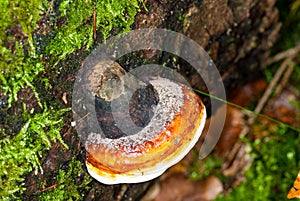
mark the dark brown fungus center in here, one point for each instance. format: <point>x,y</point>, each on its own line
<point>141,110</point>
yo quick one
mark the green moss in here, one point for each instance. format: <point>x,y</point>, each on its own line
<point>13,14</point>
<point>290,16</point>
<point>275,165</point>
<point>21,65</point>
<point>66,188</point>
<point>203,168</point>
<point>77,31</point>
<point>20,154</point>
<point>18,68</point>
<point>295,77</point>
<point>276,157</point>
<point>19,62</point>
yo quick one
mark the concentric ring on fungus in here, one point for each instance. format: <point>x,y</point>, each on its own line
<point>176,124</point>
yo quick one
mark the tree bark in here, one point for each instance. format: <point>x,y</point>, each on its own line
<point>237,35</point>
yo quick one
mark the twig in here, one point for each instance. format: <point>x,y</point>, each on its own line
<point>287,53</point>
<point>94,24</point>
<point>48,188</point>
<point>262,102</point>
<point>266,95</point>
<point>83,117</point>
<point>49,8</point>
<point>285,77</point>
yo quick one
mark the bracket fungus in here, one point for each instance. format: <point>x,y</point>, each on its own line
<point>171,125</point>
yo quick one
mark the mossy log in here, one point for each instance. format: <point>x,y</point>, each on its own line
<point>237,35</point>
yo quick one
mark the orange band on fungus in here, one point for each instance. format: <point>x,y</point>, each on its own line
<point>148,153</point>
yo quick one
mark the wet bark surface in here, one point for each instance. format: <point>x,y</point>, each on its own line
<point>236,34</point>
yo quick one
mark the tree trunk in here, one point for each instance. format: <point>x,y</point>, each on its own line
<point>236,34</point>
